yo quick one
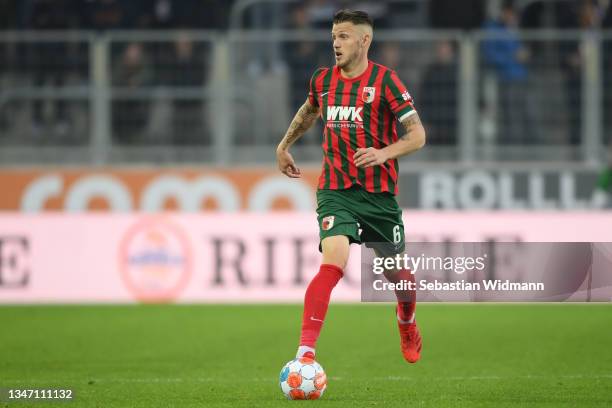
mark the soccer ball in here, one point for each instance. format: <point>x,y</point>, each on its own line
<point>303,378</point>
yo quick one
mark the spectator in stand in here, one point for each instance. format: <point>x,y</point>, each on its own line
<point>583,15</point>
<point>438,96</point>
<point>301,56</point>
<point>132,71</point>
<point>390,55</point>
<point>540,14</point>
<point>507,56</point>
<point>171,14</point>
<point>187,67</point>
<point>163,14</point>
<point>51,61</point>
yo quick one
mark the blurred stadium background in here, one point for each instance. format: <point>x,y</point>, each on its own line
<point>116,109</point>
<point>113,111</point>
<point>215,83</point>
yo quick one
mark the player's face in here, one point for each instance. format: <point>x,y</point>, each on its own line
<point>348,44</point>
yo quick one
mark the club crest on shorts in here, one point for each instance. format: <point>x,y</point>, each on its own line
<point>368,94</point>
<point>327,222</point>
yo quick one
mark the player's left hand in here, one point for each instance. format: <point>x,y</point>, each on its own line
<point>368,157</point>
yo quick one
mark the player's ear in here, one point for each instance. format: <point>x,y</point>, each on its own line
<point>367,39</point>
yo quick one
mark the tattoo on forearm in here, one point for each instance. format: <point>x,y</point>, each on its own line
<point>410,124</point>
<point>303,120</point>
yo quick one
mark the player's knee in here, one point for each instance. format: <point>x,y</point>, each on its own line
<point>336,250</point>
<point>335,259</point>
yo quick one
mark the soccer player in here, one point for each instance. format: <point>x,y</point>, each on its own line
<point>358,101</point>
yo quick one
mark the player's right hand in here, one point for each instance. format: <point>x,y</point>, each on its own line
<point>286,164</point>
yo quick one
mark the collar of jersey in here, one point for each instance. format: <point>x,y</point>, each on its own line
<point>358,77</point>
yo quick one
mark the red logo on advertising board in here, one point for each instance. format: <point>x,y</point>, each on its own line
<point>155,260</point>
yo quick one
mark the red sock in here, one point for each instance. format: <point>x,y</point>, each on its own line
<point>406,299</point>
<point>316,301</point>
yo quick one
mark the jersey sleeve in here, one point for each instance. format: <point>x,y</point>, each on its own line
<point>313,97</point>
<point>397,96</point>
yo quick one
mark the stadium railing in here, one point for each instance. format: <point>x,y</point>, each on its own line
<point>210,98</point>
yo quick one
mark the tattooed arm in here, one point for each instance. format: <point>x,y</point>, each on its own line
<point>411,141</point>
<point>303,120</point>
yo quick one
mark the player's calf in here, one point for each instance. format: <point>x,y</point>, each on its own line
<point>316,302</point>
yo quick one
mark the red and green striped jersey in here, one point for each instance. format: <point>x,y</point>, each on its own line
<point>359,112</point>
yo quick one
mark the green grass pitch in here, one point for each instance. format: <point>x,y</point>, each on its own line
<point>474,355</point>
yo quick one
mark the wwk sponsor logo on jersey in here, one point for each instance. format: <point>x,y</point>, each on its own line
<point>344,113</point>
<point>344,116</point>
